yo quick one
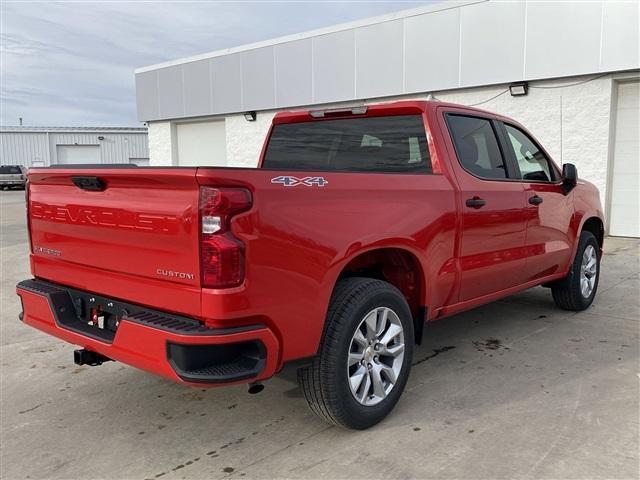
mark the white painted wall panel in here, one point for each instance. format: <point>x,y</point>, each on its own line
<point>492,36</point>
<point>563,38</point>
<point>226,83</point>
<point>147,94</point>
<point>333,67</point>
<point>432,46</point>
<point>620,35</point>
<point>258,82</point>
<point>170,92</point>
<point>379,64</point>
<point>197,88</point>
<point>444,46</point>
<point>293,73</point>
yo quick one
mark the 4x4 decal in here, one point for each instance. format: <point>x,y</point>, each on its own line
<point>288,181</point>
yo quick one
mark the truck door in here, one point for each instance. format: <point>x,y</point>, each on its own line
<point>493,211</point>
<point>549,208</point>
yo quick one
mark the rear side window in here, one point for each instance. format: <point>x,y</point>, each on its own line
<point>6,170</point>
<point>477,146</point>
<point>374,144</point>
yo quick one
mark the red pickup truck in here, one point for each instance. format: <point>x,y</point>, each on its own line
<point>359,226</point>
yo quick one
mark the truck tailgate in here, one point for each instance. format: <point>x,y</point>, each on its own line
<point>97,228</point>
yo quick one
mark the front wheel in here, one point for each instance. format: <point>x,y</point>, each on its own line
<point>365,356</point>
<point>578,289</point>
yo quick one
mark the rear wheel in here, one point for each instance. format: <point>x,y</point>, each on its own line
<point>578,289</point>
<point>365,355</point>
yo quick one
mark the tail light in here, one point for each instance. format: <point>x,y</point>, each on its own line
<point>27,187</point>
<point>221,254</point>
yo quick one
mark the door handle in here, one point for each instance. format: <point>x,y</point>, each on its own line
<point>475,202</point>
<point>535,200</point>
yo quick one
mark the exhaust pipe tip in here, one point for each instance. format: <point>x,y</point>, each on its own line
<point>255,388</point>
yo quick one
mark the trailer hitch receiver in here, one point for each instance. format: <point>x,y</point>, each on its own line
<point>87,357</point>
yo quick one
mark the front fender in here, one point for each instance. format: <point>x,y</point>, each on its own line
<point>586,205</point>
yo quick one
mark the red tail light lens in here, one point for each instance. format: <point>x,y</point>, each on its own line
<point>221,254</point>
<point>27,187</point>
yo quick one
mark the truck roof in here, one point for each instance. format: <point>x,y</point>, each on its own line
<point>402,107</point>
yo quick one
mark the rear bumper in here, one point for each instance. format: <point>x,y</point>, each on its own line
<point>174,347</point>
<point>12,183</point>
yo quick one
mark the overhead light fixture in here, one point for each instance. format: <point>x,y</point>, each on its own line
<point>250,116</point>
<point>519,89</point>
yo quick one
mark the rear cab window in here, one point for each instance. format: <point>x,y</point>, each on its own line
<point>391,144</point>
<point>10,170</point>
<point>477,146</point>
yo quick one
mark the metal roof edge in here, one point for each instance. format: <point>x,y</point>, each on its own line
<point>30,129</point>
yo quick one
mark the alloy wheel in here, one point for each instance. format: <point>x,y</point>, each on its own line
<point>376,354</point>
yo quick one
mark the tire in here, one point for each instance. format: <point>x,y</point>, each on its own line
<point>326,383</point>
<point>569,293</point>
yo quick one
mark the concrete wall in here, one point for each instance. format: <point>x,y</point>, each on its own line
<point>573,123</point>
<point>162,145</point>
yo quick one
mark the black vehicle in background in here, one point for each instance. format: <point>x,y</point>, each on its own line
<point>12,176</point>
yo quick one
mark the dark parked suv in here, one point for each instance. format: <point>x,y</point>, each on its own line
<point>12,176</point>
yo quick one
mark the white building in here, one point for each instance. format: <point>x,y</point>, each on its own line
<point>581,62</point>
<point>45,146</point>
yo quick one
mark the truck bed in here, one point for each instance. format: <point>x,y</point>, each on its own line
<point>137,239</point>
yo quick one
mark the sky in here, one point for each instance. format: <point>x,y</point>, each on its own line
<point>72,63</point>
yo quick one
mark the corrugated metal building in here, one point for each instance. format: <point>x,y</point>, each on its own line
<point>581,61</point>
<point>45,146</point>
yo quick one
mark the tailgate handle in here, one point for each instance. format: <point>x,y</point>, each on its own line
<point>93,184</point>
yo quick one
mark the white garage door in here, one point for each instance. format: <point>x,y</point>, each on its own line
<point>625,185</point>
<point>75,154</point>
<point>202,144</point>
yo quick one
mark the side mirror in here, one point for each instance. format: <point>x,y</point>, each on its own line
<point>569,176</point>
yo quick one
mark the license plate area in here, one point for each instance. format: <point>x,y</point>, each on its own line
<point>100,313</point>
<point>99,317</point>
<point>92,315</point>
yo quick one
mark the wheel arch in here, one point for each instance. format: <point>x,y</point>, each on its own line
<point>594,225</point>
<point>398,266</point>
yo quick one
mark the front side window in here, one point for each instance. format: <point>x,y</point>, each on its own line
<point>533,164</point>
<point>372,144</point>
<point>477,146</point>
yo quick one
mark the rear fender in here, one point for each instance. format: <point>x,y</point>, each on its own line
<point>359,249</point>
